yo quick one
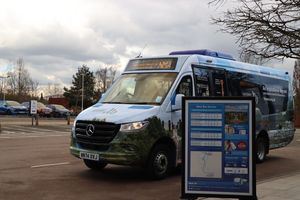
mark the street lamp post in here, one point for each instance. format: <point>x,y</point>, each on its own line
<point>82,84</point>
<point>3,77</point>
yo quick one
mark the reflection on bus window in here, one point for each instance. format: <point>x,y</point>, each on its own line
<point>202,82</point>
<point>185,86</point>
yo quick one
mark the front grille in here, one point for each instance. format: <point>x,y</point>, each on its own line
<point>103,134</point>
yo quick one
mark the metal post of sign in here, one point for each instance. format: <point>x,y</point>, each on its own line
<point>82,92</point>
<point>33,112</point>
<point>68,119</point>
<point>248,198</point>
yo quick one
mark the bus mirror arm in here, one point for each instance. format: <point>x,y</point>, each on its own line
<point>178,102</point>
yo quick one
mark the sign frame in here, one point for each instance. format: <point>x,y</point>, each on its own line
<point>186,166</point>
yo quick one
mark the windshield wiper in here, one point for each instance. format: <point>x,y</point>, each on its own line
<point>113,102</point>
<point>148,103</point>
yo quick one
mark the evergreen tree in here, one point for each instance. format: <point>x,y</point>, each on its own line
<point>74,94</point>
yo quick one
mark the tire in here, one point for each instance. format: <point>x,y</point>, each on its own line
<point>261,149</point>
<point>9,112</point>
<point>159,163</point>
<point>94,165</point>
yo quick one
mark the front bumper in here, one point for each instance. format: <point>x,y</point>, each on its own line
<point>124,149</point>
<point>110,157</point>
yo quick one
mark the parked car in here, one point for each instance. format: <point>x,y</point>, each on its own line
<point>42,110</point>
<point>12,108</point>
<point>59,110</point>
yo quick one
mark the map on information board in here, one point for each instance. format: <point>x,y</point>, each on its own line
<point>206,164</point>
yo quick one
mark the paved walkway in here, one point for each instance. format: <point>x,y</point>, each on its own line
<point>284,188</point>
<point>280,188</point>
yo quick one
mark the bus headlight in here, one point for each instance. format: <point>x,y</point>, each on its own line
<point>134,126</point>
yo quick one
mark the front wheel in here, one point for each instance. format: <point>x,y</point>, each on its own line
<point>95,165</point>
<point>9,112</point>
<point>261,149</point>
<point>159,163</point>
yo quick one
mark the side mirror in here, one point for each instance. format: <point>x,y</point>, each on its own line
<point>178,102</point>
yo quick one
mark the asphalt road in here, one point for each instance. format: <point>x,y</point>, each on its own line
<point>35,164</point>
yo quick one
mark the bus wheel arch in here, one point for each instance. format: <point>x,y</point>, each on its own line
<point>262,146</point>
<point>162,158</point>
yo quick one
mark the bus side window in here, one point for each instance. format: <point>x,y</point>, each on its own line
<point>219,83</point>
<point>250,86</point>
<point>185,86</point>
<point>234,79</point>
<point>202,84</point>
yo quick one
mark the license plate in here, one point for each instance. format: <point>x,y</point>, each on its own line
<point>89,156</point>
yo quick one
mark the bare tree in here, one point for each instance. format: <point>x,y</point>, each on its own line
<point>54,89</point>
<point>12,82</point>
<point>267,28</point>
<point>34,85</point>
<point>20,84</point>
<point>19,81</point>
<point>104,77</point>
<point>252,58</point>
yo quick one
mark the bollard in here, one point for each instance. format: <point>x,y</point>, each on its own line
<point>36,119</point>
<point>32,119</point>
<point>68,119</point>
<point>0,128</point>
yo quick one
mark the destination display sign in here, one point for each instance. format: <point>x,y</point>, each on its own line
<point>218,147</point>
<point>152,64</point>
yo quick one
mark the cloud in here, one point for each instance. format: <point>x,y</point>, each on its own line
<point>56,37</point>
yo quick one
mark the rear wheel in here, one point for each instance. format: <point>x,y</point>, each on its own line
<point>159,163</point>
<point>261,149</point>
<point>95,165</point>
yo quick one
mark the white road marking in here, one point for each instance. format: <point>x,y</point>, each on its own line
<point>30,136</point>
<point>32,129</point>
<point>50,165</point>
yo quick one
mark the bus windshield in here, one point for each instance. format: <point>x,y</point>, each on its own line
<point>141,88</point>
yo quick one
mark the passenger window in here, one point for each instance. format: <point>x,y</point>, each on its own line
<point>185,86</point>
<point>219,83</point>
<point>202,81</point>
<point>210,81</point>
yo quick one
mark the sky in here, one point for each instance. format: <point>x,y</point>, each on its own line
<point>55,37</point>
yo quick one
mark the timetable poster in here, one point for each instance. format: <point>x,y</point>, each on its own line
<point>218,147</point>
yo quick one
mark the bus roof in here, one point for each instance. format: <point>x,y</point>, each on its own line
<point>243,67</point>
<point>211,58</point>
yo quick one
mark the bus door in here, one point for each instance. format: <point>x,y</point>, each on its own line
<point>210,81</point>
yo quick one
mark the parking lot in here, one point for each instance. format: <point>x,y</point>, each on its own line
<point>36,164</point>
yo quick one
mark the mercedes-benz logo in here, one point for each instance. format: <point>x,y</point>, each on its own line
<point>90,129</point>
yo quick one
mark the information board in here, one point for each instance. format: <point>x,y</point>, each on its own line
<point>33,107</point>
<point>218,147</point>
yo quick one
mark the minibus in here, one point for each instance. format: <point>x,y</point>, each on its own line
<point>137,122</point>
